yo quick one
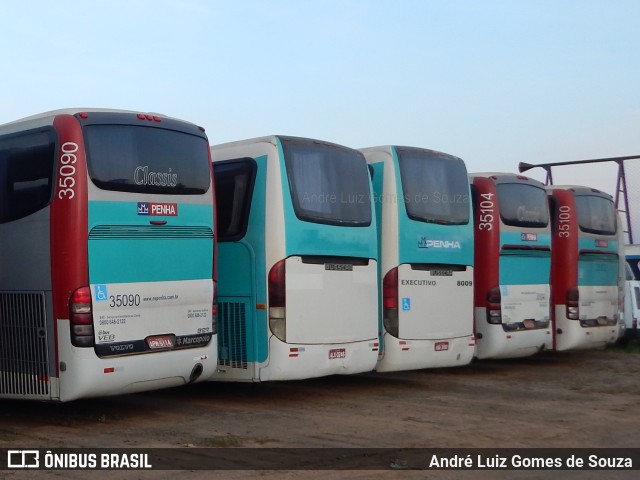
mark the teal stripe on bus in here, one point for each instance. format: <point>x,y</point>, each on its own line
<point>124,247</point>
<point>525,267</point>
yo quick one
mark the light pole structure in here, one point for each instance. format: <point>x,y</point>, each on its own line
<point>621,197</point>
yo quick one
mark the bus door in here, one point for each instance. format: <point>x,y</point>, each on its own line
<point>242,320</point>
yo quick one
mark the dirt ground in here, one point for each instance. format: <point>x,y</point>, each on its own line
<point>573,399</point>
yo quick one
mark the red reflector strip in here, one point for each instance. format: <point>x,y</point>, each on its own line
<point>109,370</point>
<point>293,351</point>
<point>405,349</point>
<point>509,337</point>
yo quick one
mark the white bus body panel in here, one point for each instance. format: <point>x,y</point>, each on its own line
<point>324,336</point>
<point>434,321</point>
<point>528,302</point>
<point>324,305</point>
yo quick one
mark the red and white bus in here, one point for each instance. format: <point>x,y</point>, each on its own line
<point>512,265</point>
<point>584,268</point>
<point>106,255</point>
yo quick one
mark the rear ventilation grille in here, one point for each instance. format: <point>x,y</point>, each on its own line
<point>232,335</point>
<point>23,344</point>
<point>108,232</point>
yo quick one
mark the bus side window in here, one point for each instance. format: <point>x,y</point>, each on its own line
<point>26,173</point>
<point>234,181</point>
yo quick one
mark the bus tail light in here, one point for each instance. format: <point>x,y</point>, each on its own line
<point>81,318</point>
<point>573,303</point>
<point>214,309</point>
<point>390,302</point>
<point>494,310</point>
<point>277,300</point>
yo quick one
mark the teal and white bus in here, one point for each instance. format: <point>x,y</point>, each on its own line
<point>425,230</point>
<point>106,255</point>
<point>298,261</point>
<point>513,265</point>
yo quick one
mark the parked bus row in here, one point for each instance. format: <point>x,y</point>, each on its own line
<point>116,275</point>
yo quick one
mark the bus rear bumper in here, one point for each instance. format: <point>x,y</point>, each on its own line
<point>296,362</point>
<point>570,335</point>
<point>402,354</point>
<point>494,342</point>
<point>83,374</point>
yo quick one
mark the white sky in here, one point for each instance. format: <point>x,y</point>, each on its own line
<point>495,82</point>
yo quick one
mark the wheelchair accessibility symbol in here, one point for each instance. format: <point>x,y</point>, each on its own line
<point>406,304</point>
<point>100,293</point>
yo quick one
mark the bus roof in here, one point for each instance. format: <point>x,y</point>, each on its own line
<point>579,189</point>
<point>632,250</point>
<point>505,176</point>
<point>388,148</point>
<point>74,111</point>
<point>272,139</point>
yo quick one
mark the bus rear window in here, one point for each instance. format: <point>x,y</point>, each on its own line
<point>130,158</point>
<point>435,186</point>
<point>523,205</point>
<point>596,214</point>
<point>329,184</point>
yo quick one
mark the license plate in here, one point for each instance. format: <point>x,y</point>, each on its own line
<point>337,353</point>
<point>159,342</point>
<point>441,346</point>
<point>441,273</point>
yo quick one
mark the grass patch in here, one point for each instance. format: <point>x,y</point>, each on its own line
<point>632,346</point>
<point>6,436</point>
<point>222,441</point>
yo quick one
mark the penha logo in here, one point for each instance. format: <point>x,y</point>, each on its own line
<point>424,242</point>
<point>158,209</point>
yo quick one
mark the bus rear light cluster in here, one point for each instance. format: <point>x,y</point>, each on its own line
<point>81,318</point>
<point>573,303</point>
<point>151,118</point>
<point>494,310</point>
<point>278,300</point>
<point>390,302</point>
